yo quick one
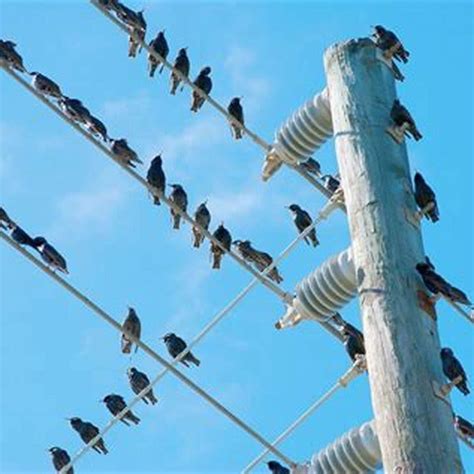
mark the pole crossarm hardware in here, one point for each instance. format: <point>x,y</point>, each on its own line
<point>147,349</point>
<point>255,138</point>
<point>354,371</point>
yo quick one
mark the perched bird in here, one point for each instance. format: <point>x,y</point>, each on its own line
<point>111,5</point>
<point>424,195</point>
<point>303,220</point>
<point>74,109</point>
<point>203,82</point>
<point>45,85</point>
<point>175,346</point>
<point>179,197</point>
<point>353,343</point>
<point>458,296</point>
<point>331,183</point>
<point>463,427</point>
<point>136,24</point>
<point>22,237</point>
<point>156,177</point>
<point>347,327</point>
<point>138,382</point>
<point>50,255</point>
<point>160,46</point>
<point>246,250</point>
<point>5,221</point>
<point>276,468</point>
<point>87,431</point>
<point>402,118</point>
<point>133,326</point>
<point>223,236</point>
<point>263,261</point>
<point>311,166</point>
<point>97,128</point>
<point>181,64</point>
<point>121,149</point>
<point>60,458</point>
<point>10,56</point>
<point>135,46</point>
<point>453,369</point>
<point>389,43</point>
<point>236,111</point>
<point>203,217</point>
<point>116,404</point>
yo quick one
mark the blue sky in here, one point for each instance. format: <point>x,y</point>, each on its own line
<point>57,359</point>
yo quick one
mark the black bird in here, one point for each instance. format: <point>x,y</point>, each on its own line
<point>139,381</point>
<point>45,85</point>
<point>276,468</point>
<point>424,195</point>
<point>10,56</point>
<point>302,220</point>
<point>312,166</point>
<point>111,5</point>
<point>388,42</point>
<point>132,325</point>
<point>160,46</point>
<point>463,427</point>
<point>353,343</point>
<point>87,431</point>
<point>246,250</point>
<point>223,236</point>
<point>203,82</point>
<point>74,109</point>
<point>135,46</point>
<point>400,115</point>
<point>452,368</point>
<point>175,346</point>
<point>121,149</point>
<point>331,183</point>
<point>50,255</point>
<point>60,458</point>
<point>181,64</point>
<point>97,128</point>
<point>263,261</point>
<point>203,217</point>
<point>236,111</point>
<point>136,24</point>
<point>5,221</point>
<point>458,296</point>
<point>179,197</point>
<point>116,404</point>
<point>347,327</point>
<point>156,177</point>
<point>22,237</point>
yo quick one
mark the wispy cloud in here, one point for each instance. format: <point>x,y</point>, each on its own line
<point>128,107</point>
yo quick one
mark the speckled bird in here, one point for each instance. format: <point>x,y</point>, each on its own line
<point>182,64</point>
<point>175,346</point>
<point>179,197</point>
<point>424,195</point>
<point>302,220</point>
<point>122,151</point>
<point>400,116</point>
<point>224,237</point>
<point>203,217</point>
<point>156,177</point>
<point>87,431</point>
<point>138,382</point>
<point>276,468</point>
<point>97,128</point>
<point>75,110</point>
<point>133,326</point>
<point>50,255</point>
<point>203,81</point>
<point>5,221</point>
<point>387,40</point>
<point>263,261</point>
<point>60,459</point>
<point>116,404</point>
<point>464,427</point>
<point>236,111</point>
<point>452,368</point>
<point>160,46</point>
<point>11,56</point>
<point>45,85</point>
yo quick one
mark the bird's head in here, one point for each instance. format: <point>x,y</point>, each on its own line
<point>422,267</point>
<point>418,178</point>
<point>205,71</point>
<point>131,371</point>
<point>161,34</point>
<point>235,101</point>
<point>379,29</point>
<point>54,449</point>
<point>75,421</point>
<point>182,51</point>
<point>157,160</point>
<point>446,351</point>
<point>273,465</point>
<point>294,208</point>
<point>10,43</point>
<point>39,241</point>
<point>237,242</point>
<point>396,102</point>
<point>169,336</point>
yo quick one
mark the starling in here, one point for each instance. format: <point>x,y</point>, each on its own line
<point>156,177</point>
<point>5,221</point>
<point>175,346</point>
<point>303,220</point>
<point>50,255</point>
<point>116,404</point>
<point>223,236</point>
<point>21,237</point>
<point>276,468</point>
<point>97,128</point>
<point>74,110</point>
<point>246,251</point>
<point>138,382</point>
<point>331,183</point>
<point>389,43</point>
<point>311,166</point>
<point>203,217</point>
<point>203,82</point>
<point>87,431</point>
<point>353,343</point>
<point>160,46</point>
<point>136,24</point>
<point>111,5</point>
<point>135,46</point>
<point>10,56</point>
<point>45,85</point>
<point>263,261</point>
<point>346,327</point>
<point>61,459</point>
<point>402,118</point>
<point>181,64</point>
<point>424,195</point>
<point>452,368</point>
<point>236,111</point>
<point>463,427</point>
<point>179,197</point>
<point>133,326</point>
<point>124,153</point>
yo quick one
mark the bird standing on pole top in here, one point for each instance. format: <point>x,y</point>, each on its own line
<point>176,346</point>
<point>116,404</point>
<point>160,46</point>
<point>156,177</point>
<point>203,82</point>
<point>389,43</point>
<point>223,236</point>
<point>203,217</point>
<point>236,111</point>
<point>10,55</point>
<point>132,326</point>
<point>179,197</point>
<point>87,431</point>
<point>60,458</point>
<point>302,220</point>
<point>138,382</point>
<point>45,85</point>
<point>424,196</point>
<point>453,369</point>
<point>181,64</point>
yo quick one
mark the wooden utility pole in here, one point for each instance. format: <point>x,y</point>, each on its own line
<point>414,426</point>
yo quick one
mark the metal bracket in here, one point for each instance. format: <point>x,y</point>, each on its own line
<point>271,165</point>
<point>441,391</point>
<point>427,304</point>
<point>398,133</point>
